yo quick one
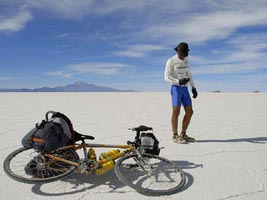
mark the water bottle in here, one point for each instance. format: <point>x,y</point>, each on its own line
<point>108,154</point>
<point>105,167</point>
<point>91,154</point>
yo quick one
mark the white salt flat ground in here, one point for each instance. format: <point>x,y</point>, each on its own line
<point>227,162</point>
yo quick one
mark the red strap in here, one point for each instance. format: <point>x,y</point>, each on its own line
<point>37,140</point>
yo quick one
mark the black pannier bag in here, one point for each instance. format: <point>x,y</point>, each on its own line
<point>149,143</point>
<point>51,134</point>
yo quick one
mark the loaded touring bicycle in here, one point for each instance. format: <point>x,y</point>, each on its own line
<point>50,152</point>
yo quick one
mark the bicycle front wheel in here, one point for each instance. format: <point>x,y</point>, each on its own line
<point>29,166</point>
<point>150,174</point>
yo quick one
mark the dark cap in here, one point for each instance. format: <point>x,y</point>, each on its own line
<point>182,46</point>
<point>182,49</point>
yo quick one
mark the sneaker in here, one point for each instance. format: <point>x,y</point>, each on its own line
<point>187,138</point>
<point>178,139</point>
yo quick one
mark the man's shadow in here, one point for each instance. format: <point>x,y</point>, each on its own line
<point>76,181</point>
<point>257,140</point>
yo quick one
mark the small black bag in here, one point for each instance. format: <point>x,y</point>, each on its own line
<point>51,134</point>
<point>149,143</point>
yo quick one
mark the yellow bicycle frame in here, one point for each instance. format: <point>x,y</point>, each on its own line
<point>128,148</point>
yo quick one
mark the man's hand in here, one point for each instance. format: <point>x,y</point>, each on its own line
<point>194,91</point>
<point>184,81</point>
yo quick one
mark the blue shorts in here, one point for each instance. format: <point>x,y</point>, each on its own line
<point>180,96</point>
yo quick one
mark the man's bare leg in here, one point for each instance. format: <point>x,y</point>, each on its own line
<point>187,117</point>
<point>186,121</point>
<point>174,120</point>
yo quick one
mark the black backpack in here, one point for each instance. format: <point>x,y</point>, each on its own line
<point>149,143</point>
<point>52,133</point>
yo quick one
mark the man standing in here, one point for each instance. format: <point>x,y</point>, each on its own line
<point>177,72</point>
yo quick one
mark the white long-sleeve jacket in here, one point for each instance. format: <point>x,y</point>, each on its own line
<point>177,69</point>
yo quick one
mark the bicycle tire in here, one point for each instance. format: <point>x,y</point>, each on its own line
<point>163,178</point>
<point>48,171</point>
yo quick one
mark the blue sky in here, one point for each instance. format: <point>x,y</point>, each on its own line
<point>125,43</point>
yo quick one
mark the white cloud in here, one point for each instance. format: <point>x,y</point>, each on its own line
<point>252,41</point>
<point>228,68</point>
<point>199,22</point>
<point>167,20</point>
<point>222,24</point>
<point>98,68</point>
<point>139,50</point>
<point>68,9</point>
<point>237,56</point>
<point>61,74</point>
<point>62,35</point>
<point>15,22</point>
<point>206,26</point>
<point>17,14</point>
<point>152,75</point>
<point>108,6</point>
<point>241,54</point>
<point>130,53</point>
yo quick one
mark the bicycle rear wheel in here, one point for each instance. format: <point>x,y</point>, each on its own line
<point>28,166</point>
<point>150,174</point>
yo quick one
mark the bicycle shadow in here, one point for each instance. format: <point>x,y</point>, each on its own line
<point>256,140</point>
<point>184,164</point>
<point>78,183</point>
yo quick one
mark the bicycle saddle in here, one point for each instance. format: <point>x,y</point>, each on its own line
<point>79,136</point>
<point>141,128</point>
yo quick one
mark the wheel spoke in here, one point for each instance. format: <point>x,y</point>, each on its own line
<point>28,166</point>
<point>152,174</point>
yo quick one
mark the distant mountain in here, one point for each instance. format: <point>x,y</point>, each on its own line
<point>79,86</point>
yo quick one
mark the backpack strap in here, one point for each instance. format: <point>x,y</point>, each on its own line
<point>40,125</point>
<point>37,126</point>
<point>47,114</point>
